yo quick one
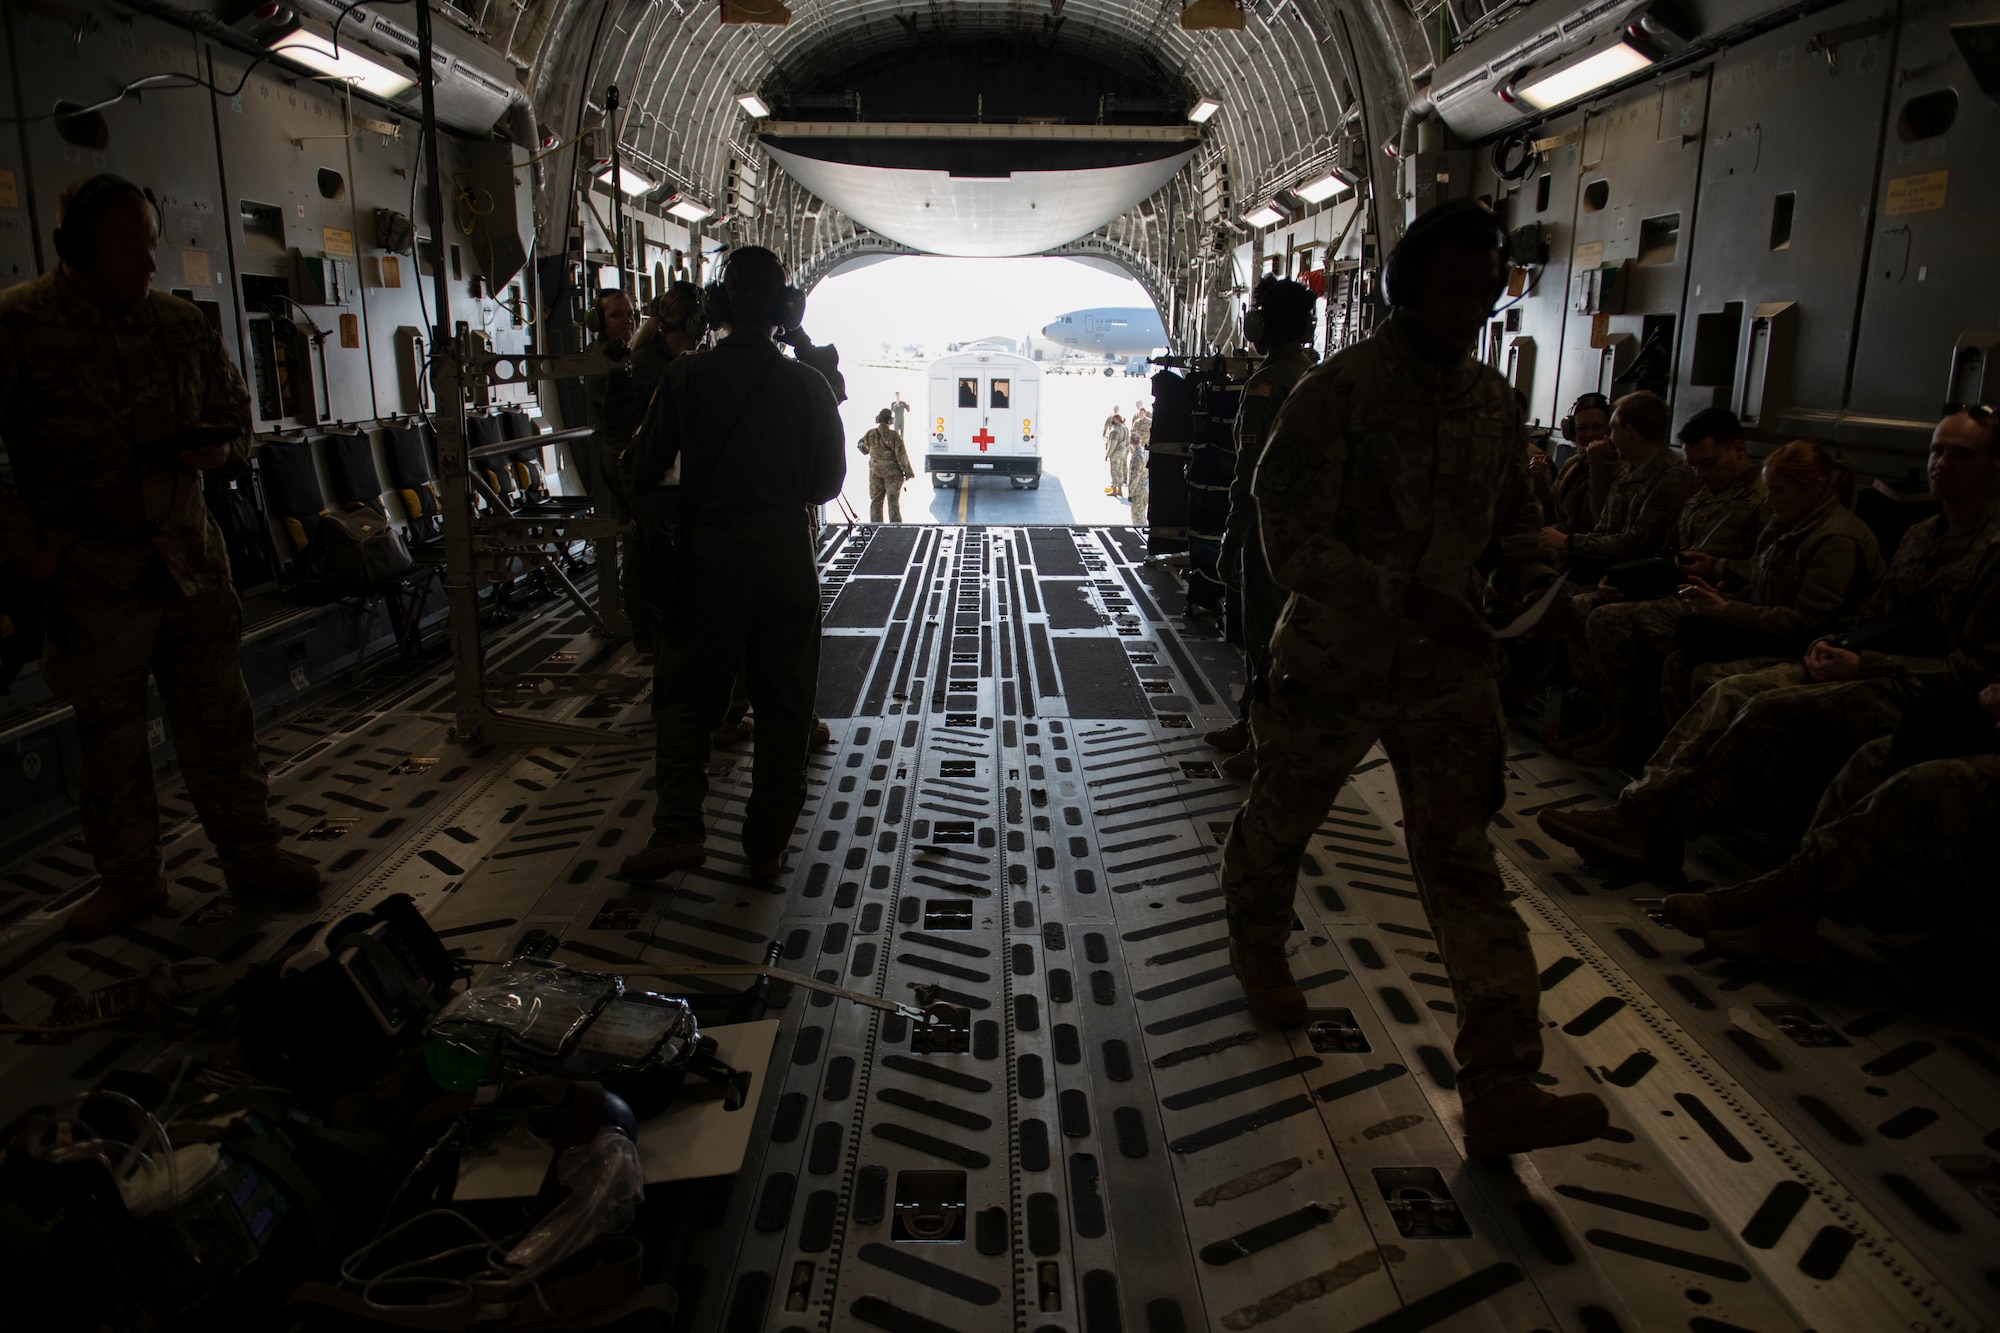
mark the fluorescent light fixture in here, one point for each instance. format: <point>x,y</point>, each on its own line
<point>753,106</point>
<point>303,46</point>
<point>1263,216</point>
<point>1322,188</point>
<point>688,209</point>
<point>1565,83</point>
<point>630,181</point>
<point>1203,109</point>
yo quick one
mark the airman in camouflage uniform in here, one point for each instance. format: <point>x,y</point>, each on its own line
<point>1624,640</point>
<point>1640,511</point>
<point>1138,481</point>
<point>1282,318</point>
<point>888,467</point>
<point>1812,571</point>
<point>98,375</point>
<point>1389,472</point>
<point>1780,733</point>
<point>1117,436</point>
<point>1571,498</point>
<point>1888,806</point>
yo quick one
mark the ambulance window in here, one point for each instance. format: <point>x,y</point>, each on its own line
<point>968,393</point>
<point>1000,390</point>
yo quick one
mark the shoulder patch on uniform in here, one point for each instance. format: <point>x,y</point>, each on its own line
<point>1283,468</point>
<point>1257,391</point>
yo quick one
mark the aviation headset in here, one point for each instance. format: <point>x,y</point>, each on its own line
<point>1584,402</point>
<point>75,243</point>
<point>1420,242</point>
<point>593,318</point>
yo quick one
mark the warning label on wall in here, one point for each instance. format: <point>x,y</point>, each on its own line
<point>1922,193</point>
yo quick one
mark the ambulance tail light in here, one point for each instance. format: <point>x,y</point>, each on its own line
<point>1027,430</point>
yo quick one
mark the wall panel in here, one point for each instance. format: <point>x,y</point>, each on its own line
<point>1783,212</point>
<point>1934,271</point>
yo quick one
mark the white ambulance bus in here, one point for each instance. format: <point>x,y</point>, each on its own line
<point>985,418</point>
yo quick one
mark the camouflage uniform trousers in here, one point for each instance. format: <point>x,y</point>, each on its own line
<point>1771,738</point>
<point>1137,483</point>
<point>103,642</point>
<point>1625,640</point>
<point>1882,809</point>
<point>751,610</point>
<point>885,487</point>
<point>1447,755</point>
<point>1115,455</point>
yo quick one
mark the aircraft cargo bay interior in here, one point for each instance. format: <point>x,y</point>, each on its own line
<point>1047,667</point>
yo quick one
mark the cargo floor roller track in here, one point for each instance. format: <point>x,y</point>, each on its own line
<point>1019,812</point>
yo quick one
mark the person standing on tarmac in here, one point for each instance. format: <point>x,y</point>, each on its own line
<point>114,400</point>
<point>1137,480</point>
<point>1117,438</point>
<point>1389,474</point>
<point>1278,324</point>
<point>888,467</point>
<point>755,441</point>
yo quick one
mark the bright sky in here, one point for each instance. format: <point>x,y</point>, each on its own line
<point>931,302</point>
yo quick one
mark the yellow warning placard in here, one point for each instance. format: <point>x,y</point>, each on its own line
<point>10,193</point>
<point>350,330</point>
<point>338,243</point>
<point>1916,194</point>
<point>392,271</point>
<point>195,269</point>
<point>1590,254</point>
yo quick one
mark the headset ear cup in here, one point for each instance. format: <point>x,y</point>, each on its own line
<point>1568,428</point>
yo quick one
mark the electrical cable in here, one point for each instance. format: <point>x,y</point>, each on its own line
<point>147,80</point>
<point>1522,139</point>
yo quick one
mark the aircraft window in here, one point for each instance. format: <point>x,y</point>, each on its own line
<point>1659,239</point>
<point>968,393</point>
<point>1928,116</point>
<point>1001,391</point>
<point>331,186</point>
<point>1781,220</point>
<point>1596,195</point>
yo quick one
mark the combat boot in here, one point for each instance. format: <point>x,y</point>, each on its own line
<point>729,733</point>
<point>1266,978</point>
<point>766,867</point>
<point>1242,764</point>
<point>276,874</point>
<point>112,906</point>
<point>1520,1117</point>
<point>822,735</point>
<point>1231,738</point>
<point>657,860</point>
<point>1782,890</point>
<point>1788,937</point>
<point>1621,831</point>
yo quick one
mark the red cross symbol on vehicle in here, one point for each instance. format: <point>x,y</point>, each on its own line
<point>984,438</point>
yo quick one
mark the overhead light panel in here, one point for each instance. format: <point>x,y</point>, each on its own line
<point>689,209</point>
<point>1263,216</point>
<point>753,106</point>
<point>1322,188</point>
<point>630,181</point>
<point>304,46</point>
<point>1203,109</point>
<point>1567,81</point>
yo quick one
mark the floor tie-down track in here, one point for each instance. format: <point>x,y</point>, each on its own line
<point>1019,813</point>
